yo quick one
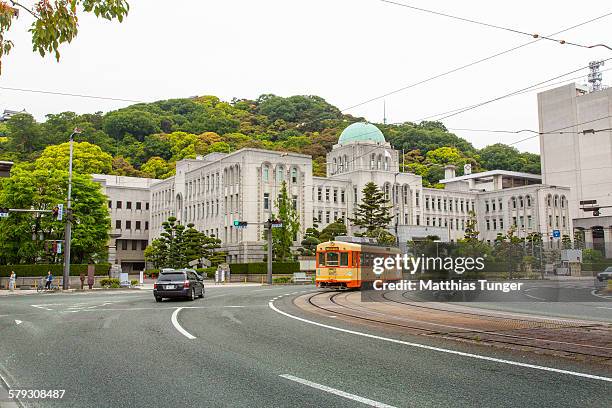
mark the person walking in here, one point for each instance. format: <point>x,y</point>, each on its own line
<point>48,280</point>
<point>12,279</point>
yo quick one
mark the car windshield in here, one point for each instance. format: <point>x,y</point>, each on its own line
<point>175,276</point>
<point>608,269</point>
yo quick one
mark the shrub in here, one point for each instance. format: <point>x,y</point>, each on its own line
<point>262,267</point>
<point>134,282</point>
<point>208,272</point>
<point>30,270</point>
<point>281,279</point>
<point>110,283</point>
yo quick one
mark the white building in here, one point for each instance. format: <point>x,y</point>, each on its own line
<point>576,151</point>
<point>214,190</point>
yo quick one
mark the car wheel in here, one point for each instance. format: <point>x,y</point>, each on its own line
<point>192,294</point>
<point>158,299</point>
<point>202,292</point>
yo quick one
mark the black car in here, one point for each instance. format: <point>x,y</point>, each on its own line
<point>178,283</point>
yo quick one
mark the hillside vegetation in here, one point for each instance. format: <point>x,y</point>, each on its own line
<point>147,139</point>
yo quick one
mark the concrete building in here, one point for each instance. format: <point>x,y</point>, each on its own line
<point>214,190</point>
<point>129,208</point>
<point>576,151</point>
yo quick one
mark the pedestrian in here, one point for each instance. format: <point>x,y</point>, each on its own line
<point>48,280</point>
<point>12,279</point>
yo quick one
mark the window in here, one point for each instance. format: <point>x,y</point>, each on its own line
<point>294,175</point>
<point>521,202</point>
<point>343,258</point>
<point>418,219</point>
<point>266,201</point>
<point>450,205</point>
<point>279,174</point>
<point>320,194</point>
<point>147,206</point>
<point>138,225</point>
<point>294,202</point>
<point>320,217</point>
<point>342,196</point>
<point>564,221</point>
<point>550,220</point>
<point>134,245</point>
<point>128,205</point>
<point>416,198</point>
<point>335,195</point>
<point>514,221</point>
<point>128,225</point>
<point>327,194</point>
<point>557,221</point>
<point>494,224</point>
<point>427,221</point>
<point>119,204</point>
<point>327,217</point>
<point>513,202</point>
<point>146,225</point>
<point>528,201</point>
<point>493,205</point>
<point>372,162</point>
<point>529,221</point>
<point>500,205</point>
<point>124,244</point>
<point>445,204</point>
<point>427,203</point>
<point>488,225</point>
<point>110,204</point>
<point>501,223</point>
<point>486,206</point>
<point>138,205</point>
<point>522,219</point>
<point>143,245</point>
<point>118,224</point>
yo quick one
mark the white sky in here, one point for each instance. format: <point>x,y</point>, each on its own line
<point>345,51</point>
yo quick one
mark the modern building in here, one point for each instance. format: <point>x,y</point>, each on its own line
<point>214,190</point>
<point>129,206</point>
<point>576,150</point>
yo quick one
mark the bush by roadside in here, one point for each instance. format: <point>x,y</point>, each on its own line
<point>32,270</point>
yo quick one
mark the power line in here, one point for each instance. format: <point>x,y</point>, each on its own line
<point>443,74</point>
<point>471,107</point>
<point>512,30</point>
<point>6,88</point>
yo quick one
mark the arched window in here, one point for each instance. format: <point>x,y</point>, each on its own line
<point>379,162</point>
<point>548,200</point>
<point>294,175</point>
<point>266,173</point>
<point>556,201</point>
<point>513,201</point>
<point>340,165</point>
<point>346,163</point>
<point>387,191</point>
<point>521,202</point>
<point>279,174</point>
<point>562,201</point>
<point>528,201</point>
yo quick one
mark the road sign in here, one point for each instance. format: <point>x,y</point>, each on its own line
<point>60,212</point>
<point>4,212</point>
<point>276,223</point>
<point>556,234</point>
<point>240,224</point>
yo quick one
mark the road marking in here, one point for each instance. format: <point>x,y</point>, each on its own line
<point>533,297</point>
<point>603,307</point>
<point>334,391</point>
<point>178,327</point>
<point>442,350</point>
<point>593,292</point>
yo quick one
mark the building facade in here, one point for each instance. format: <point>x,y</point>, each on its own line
<point>214,190</point>
<point>576,152</point>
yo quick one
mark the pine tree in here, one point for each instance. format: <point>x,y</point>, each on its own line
<point>471,228</point>
<point>373,213</point>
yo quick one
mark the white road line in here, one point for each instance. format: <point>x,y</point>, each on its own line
<point>603,307</point>
<point>534,297</point>
<point>178,327</point>
<point>443,350</point>
<point>593,292</point>
<point>41,307</point>
<point>334,391</point>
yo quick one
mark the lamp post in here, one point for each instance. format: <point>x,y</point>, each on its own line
<point>68,229</point>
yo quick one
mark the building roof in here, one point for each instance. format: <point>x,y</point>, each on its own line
<point>491,173</point>
<point>361,132</point>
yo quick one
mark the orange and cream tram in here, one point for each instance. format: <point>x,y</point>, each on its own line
<point>346,265</point>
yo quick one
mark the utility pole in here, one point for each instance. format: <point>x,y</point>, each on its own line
<point>68,229</point>
<point>269,228</point>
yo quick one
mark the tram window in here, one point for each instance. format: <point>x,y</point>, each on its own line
<point>322,258</point>
<point>332,259</point>
<point>343,258</point>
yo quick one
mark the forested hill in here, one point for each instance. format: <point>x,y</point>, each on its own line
<point>147,139</point>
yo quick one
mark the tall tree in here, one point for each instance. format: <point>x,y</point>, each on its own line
<point>55,22</point>
<point>373,213</point>
<point>87,158</point>
<point>283,237</point>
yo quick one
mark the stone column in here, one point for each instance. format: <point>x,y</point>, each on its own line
<point>588,238</point>
<point>608,242</point>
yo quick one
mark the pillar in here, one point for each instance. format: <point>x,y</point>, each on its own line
<point>608,242</point>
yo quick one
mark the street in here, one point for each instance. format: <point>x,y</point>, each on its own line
<point>252,346</point>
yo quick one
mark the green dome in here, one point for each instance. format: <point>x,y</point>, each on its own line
<point>361,132</point>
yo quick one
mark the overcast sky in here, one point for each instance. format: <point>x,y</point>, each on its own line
<point>346,51</point>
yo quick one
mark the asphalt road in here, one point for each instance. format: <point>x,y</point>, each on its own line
<point>247,347</point>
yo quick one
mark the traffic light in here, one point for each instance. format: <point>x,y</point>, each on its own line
<point>240,224</point>
<point>4,212</point>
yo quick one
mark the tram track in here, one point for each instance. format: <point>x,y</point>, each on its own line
<point>336,303</point>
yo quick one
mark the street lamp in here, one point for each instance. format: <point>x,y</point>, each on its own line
<point>68,229</point>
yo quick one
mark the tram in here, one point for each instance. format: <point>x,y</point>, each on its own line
<point>342,264</point>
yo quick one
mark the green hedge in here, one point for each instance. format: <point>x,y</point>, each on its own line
<point>262,267</point>
<point>25,270</point>
<point>596,266</point>
<point>209,272</point>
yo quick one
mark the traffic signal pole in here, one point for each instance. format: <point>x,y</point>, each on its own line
<point>269,228</point>
<point>68,230</point>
